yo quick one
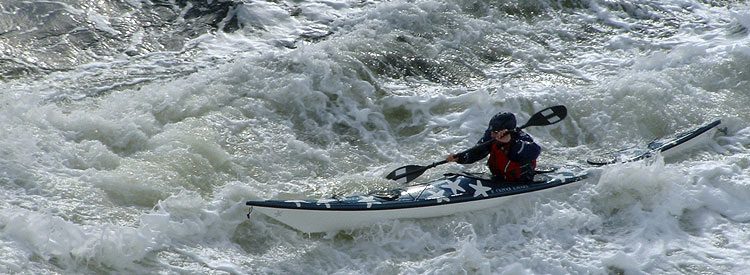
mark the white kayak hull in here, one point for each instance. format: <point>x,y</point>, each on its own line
<point>313,220</point>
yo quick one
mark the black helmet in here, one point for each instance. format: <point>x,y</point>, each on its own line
<point>503,120</point>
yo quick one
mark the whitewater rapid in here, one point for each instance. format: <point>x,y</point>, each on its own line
<point>134,132</point>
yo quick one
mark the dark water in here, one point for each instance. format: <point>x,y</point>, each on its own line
<point>135,130</point>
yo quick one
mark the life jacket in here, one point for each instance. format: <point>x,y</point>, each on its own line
<point>505,169</point>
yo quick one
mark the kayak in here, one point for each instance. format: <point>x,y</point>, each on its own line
<point>453,193</point>
<point>668,147</point>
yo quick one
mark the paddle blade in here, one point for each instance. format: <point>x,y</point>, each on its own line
<point>601,160</point>
<point>407,173</point>
<point>547,116</point>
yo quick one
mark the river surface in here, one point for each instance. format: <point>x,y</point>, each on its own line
<point>133,132</point>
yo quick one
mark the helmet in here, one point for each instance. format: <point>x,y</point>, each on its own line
<point>503,120</point>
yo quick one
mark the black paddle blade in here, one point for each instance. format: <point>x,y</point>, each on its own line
<point>407,173</point>
<point>547,116</point>
<point>601,160</point>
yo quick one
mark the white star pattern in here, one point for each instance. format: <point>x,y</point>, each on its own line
<point>326,202</point>
<point>369,200</point>
<point>454,187</point>
<point>439,196</point>
<point>479,189</point>
<point>297,202</point>
<point>561,177</point>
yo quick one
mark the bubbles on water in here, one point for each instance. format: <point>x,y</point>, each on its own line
<point>314,98</point>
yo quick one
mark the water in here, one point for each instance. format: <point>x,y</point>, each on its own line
<point>134,131</point>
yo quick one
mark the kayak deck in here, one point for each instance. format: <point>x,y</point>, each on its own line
<point>453,188</point>
<point>452,194</point>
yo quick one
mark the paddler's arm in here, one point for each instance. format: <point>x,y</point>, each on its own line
<point>473,154</point>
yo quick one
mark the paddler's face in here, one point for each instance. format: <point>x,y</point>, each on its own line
<point>502,136</point>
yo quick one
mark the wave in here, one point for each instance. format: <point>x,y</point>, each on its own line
<point>137,147</point>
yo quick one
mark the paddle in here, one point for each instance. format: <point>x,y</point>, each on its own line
<point>544,117</point>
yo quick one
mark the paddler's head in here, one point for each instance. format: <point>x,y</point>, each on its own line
<point>503,121</point>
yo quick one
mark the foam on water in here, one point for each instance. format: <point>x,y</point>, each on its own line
<point>142,164</point>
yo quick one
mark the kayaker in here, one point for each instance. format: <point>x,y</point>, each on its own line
<point>512,152</point>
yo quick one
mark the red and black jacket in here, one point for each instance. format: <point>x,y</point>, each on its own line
<point>513,162</point>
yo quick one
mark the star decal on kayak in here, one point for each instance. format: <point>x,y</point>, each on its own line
<point>453,186</point>
<point>297,202</point>
<point>479,189</point>
<point>439,196</point>
<point>369,200</point>
<point>327,202</point>
<point>563,176</point>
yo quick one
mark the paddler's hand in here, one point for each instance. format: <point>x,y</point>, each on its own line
<point>451,158</point>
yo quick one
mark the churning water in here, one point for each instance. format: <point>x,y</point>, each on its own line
<point>134,131</point>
